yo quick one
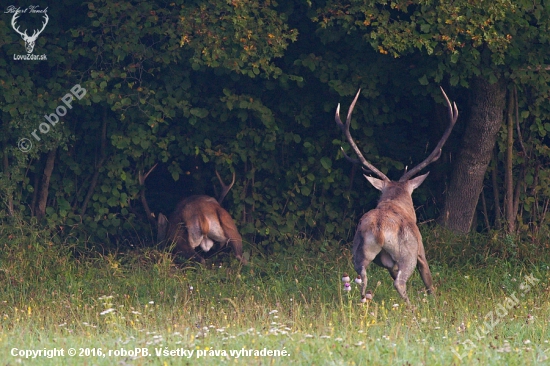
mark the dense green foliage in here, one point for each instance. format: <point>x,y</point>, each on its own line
<point>251,87</point>
<point>506,41</point>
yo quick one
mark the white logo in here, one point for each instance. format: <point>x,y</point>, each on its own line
<point>29,40</point>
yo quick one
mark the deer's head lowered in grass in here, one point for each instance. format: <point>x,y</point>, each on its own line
<point>199,221</point>
<point>388,235</point>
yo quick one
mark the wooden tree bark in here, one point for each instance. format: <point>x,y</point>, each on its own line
<point>486,113</point>
<point>508,171</point>
<point>45,186</point>
<point>6,167</point>
<point>496,192</point>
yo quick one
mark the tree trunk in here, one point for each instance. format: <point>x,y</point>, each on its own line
<point>45,187</point>
<point>34,201</point>
<point>486,113</point>
<point>508,171</point>
<point>9,192</point>
<point>496,192</point>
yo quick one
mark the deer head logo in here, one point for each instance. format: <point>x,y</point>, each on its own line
<point>29,40</point>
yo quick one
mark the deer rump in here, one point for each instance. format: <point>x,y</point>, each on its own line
<point>199,221</point>
<point>391,242</point>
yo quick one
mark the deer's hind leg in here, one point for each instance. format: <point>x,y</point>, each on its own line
<point>178,237</point>
<point>400,282</point>
<point>406,264</point>
<point>365,250</point>
<point>195,238</point>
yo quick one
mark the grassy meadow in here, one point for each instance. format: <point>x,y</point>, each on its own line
<point>492,307</point>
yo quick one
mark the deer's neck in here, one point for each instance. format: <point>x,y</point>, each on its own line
<point>403,205</point>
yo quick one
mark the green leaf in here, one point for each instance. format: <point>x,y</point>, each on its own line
<point>423,80</point>
<point>326,162</point>
<point>454,57</point>
<point>199,112</point>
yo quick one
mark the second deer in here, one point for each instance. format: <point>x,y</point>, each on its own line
<point>199,221</point>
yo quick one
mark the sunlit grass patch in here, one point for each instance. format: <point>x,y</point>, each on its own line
<point>122,303</point>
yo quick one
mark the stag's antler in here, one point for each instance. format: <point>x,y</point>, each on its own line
<point>453,116</point>
<point>141,179</point>
<point>345,130</point>
<point>13,19</point>
<point>225,189</point>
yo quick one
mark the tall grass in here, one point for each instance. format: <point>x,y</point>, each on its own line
<point>290,302</point>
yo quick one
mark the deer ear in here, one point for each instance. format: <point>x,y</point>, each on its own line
<point>376,183</point>
<point>416,182</point>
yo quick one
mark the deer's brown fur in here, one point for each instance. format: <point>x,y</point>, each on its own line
<point>389,236</point>
<point>199,221</point>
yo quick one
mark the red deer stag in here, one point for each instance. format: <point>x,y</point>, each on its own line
<point>388,235</point>
<point>201,221</point>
